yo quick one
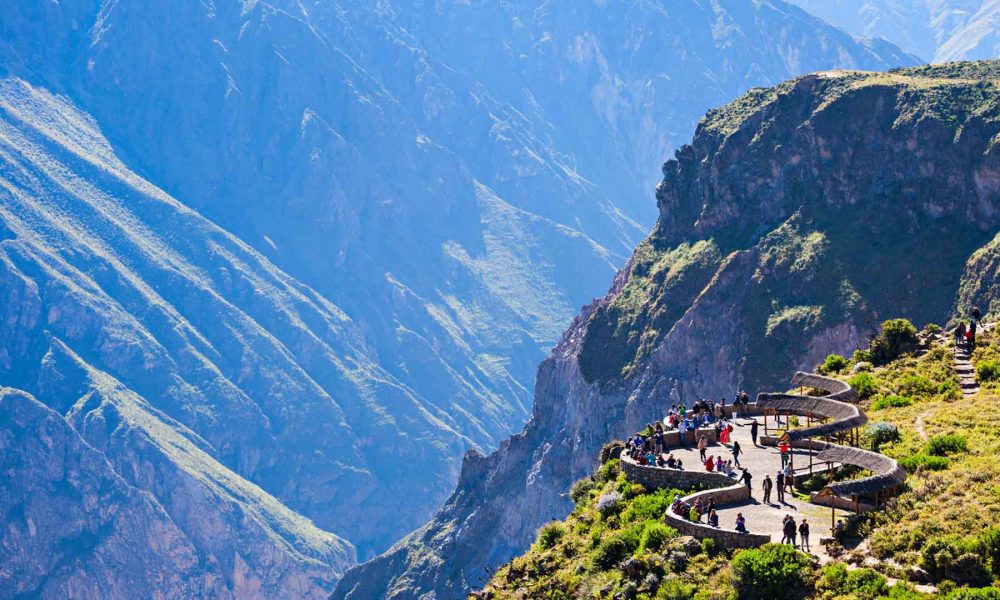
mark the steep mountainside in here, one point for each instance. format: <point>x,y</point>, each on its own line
<point>457,177</point>
<point>797,214</point>
<point>935,30</point>
<point>234,397</point>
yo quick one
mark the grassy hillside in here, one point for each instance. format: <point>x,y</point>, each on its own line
<point>941,531</point>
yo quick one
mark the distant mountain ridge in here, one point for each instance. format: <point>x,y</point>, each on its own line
<point>935,30</point>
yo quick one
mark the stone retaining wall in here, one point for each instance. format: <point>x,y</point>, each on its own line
<point>663,477</point>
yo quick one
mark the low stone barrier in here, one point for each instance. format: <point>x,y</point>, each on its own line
<point>665,477</point>
<point>729,538</point>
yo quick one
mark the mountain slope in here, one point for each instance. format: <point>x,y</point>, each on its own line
<point>796,216</point>
<point>232,394</point>
<point>935,30</point>
<point>457,178</point>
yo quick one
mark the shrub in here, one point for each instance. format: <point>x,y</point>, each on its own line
<point>866,584</point>
<point>863,383</point>
<point>882,433</point>
<point>549,535</point>
<point>675,589</point>
<point>775,571</point>
<point>896,337</point>
<point>892,402</point>
<point>989,542</point>
<point>649,506</point>
<point>926,462</point>
<point>954,558</point>
<point>609,503</point>
<point>834,363</point>
<point>987,371</point>
<point>950,389</point>
<point>609,470</point>
<point>990,593</point>
<point>943,445</point>
<point>932,328</point>
<point>862,367</point>
<point>655,535</point>
<point>615,548</point>
<point>862,356</point>
<point>917,385</point>
<point>580,492</point>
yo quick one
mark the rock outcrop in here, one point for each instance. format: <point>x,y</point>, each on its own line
<point>796,216</point>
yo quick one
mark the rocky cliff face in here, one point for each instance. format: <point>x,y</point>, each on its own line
<point>796,215</point>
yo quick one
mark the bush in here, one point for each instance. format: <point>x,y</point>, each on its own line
<point>862,356</point>
<point>834,363</point>
<point>609,470</point>
<point>675,589</point>
<point>943,445</point>
<point>896,337</point>
<point>989,542</point>
<point>928,463</point>
<point>974,594</point>
<point>580,492</point>
<point>892,402</point>
<point>775,571</point>
<point>863,383</point>
<point>655,535</point>
<point>649,506</point>
<point>987,371</point>
<point>616,548</point>
<point>609,503</point>
<point>917,385</point>
<point>955,558</point>
<point>932,328</point>
<point>866,584</point>
<point>549,535</point>
<point>882,433</point>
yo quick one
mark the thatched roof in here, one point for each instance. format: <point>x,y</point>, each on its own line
<point>842,416</point>
<point>835,389</point>
<point>886,473</point>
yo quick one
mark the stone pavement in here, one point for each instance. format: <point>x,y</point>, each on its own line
<point>760,517</point>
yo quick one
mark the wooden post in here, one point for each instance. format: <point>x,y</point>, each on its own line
<point>857,504</point>
<point>810,456</point>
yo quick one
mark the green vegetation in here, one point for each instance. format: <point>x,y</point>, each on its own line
<point>863,383</point>
<point>775,571</point>
<point>662,285</point>
<point>896,337</point>
<point>944,521</point>
<point>833,364</point>
<point>891,401</point>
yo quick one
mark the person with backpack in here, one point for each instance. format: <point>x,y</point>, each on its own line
<point>804,535</point>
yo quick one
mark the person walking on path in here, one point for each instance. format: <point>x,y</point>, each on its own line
<point>804,535</point>
<point>788,530</point>
<point>780,480</point>
<point>754,426</point>
<point>971,335</point>
<point>736,453</point>
<point>768,485</point>
<point>702,446</point>
<point>960,334</point>
<point>789,478</point>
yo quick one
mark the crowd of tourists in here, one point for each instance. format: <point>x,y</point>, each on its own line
<point>965,335</point>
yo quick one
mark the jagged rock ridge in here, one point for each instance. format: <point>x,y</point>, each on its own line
<point>795,215</point>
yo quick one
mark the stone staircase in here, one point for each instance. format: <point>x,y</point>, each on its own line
<point>966,373</point>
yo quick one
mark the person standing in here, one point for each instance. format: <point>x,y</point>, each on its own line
<point>788,531</point>
<point>768,485</point>
<point>702,447</point>
<point>736,453</point>
<point>747,479</point>
<point>804,535</point>
<point>780,481</point>
<point>789,478</point>
<point>972,335</point>
<point>753,431</point>
<point>786,452</point>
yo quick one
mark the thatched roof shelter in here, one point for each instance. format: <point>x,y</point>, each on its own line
<point>835,389</point>
<point>841,415</point>
<point>886,472</point>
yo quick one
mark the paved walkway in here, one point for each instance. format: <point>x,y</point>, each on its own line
<point>760,517</point>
